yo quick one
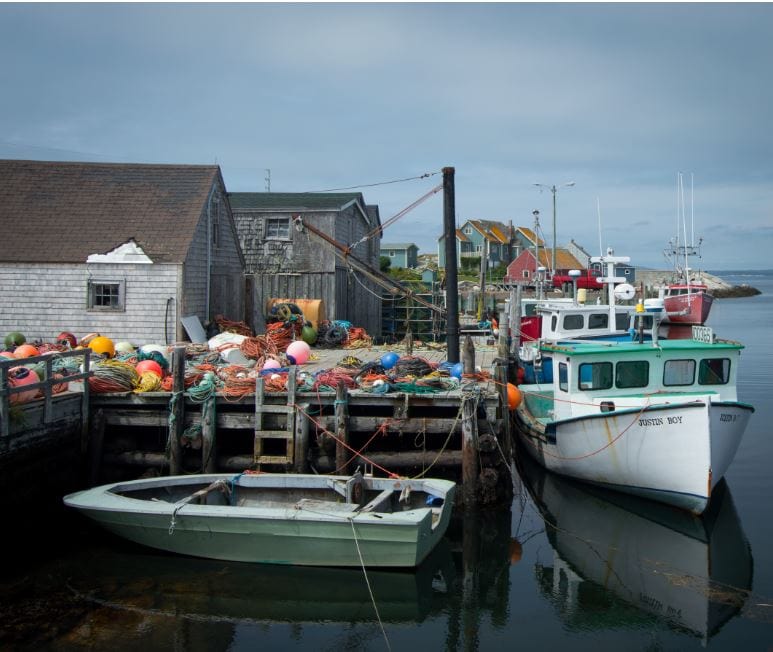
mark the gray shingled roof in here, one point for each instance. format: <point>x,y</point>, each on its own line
<point>297,201</point>
<point>59,212</point>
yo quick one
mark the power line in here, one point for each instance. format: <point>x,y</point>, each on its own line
<point>380,183</point>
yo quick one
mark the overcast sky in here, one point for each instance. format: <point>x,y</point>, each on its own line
<point>618,98</point>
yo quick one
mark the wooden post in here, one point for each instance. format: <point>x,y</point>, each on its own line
<point>178,410</point>
<point>95,449</point>
<point>468,357</point>
<point>85,406</point>
<point>452,283</point>
<point>469,451</point>
<point>301,439</point>
<point>342,431</point>
<point>208,429</point>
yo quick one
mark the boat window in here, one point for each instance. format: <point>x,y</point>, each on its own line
<point>553,323</point>
<point>679,372</point>
<point>595,375</point>
<point>632,374</point>
<point>621,321</point>
<point>573,322</point>
<point>714,371</point>
<point>598,320</point>
<point>530,309</point>
<point>563,377</point>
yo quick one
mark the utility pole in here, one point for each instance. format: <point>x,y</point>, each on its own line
<point>268,180</point>
<point>554,189</point>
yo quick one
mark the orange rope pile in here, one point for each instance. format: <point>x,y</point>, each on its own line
<point>276,382</point>
<point>236,382</point>
<point>238,327</point>
<point>357,338</point>
<point>333,377</point>
<point>259,348</point>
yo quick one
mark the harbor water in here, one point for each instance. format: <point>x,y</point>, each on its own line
<point>563,568</point>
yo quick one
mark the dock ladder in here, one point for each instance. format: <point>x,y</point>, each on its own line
<point>285,437</point>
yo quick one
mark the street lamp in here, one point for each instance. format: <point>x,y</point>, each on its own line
<point>554,190</point>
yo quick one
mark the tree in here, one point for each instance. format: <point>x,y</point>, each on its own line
<point>384,263</point>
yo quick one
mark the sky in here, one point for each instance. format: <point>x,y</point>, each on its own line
<point>619,98</point>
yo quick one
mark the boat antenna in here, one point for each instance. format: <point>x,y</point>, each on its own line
<point>598,212</point>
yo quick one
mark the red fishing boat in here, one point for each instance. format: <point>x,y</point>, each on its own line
<point>687,303</point>
<point>686,299</point>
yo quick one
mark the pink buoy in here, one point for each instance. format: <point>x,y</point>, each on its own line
<point>270,363</point>
<point>298,352</point>
<point>149,366</point>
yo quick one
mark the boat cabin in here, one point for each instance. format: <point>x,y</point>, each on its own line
<point>614,376</point>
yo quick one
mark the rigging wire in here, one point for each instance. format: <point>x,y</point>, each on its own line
<point>371,185</point>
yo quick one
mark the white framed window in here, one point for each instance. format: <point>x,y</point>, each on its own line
<point>277,228</point>
<point>107,295</point>
<point>525,273</point>
<point>392,254</point>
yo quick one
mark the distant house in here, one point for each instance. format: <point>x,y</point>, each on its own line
<point>480,238</point>
<point>403,255</point>
<point>286,261</point>
<point>522,269</point>
<point>125,250</point>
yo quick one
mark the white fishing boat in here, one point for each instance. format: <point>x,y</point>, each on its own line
<point>307,520</point>
<point>659,419</point>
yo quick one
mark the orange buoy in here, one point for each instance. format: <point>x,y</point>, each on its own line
<point>102,345</point>
<point>513,396</point>
<point>25,351</point>
<point>18,377</point>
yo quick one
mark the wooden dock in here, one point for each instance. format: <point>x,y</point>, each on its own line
<point>461,432</point>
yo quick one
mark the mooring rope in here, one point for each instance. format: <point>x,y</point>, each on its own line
<point>370,590</point>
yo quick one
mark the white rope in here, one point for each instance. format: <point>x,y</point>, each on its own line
<point>370,591</point>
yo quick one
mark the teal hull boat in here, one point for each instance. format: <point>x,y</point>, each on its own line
<point>306,520</point>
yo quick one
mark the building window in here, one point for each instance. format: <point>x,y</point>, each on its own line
<point>468,230</point>
<point>278,228</point>
<point>525,273</point>
<point>391,254</point>
<point>106,295</point>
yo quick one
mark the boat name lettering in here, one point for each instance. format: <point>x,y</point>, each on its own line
<point>654,421</point>
<point>728,418</point>
<point>673,420</point>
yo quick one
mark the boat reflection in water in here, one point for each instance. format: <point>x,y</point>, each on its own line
<point>173,596</point>
<point>619,560</point>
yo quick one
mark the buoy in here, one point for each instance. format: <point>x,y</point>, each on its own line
<point>124,347</point>
<point>298,352</point>
<point>516,551</point>
<point>457,370</point>
<point>102,345</point>
<point>18,377</point>
<point>67,338</point>
<point>150,348</point>
<point>14,338</point>
<point>25,351</point>
<point>309,335</point>
<point>270,363</point>
<point>513,396</point>
<point>149,365</point>
<point>389,360</point>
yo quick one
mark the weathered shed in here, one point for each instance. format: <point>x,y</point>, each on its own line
<point>286,261</point>
<point>125,250</point>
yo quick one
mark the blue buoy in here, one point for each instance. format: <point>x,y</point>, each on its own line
<point>389,360</point>
<point>457,370</point>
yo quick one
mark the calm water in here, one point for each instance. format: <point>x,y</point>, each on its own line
<point>562,569</point>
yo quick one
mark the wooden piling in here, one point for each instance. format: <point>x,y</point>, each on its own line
<point>208,430</point>
<point>96,444</point>
<point>469,451</point>
<point>177,417</point>
<point>342,432</point>
<point>300,458</point>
